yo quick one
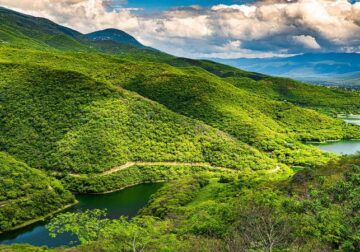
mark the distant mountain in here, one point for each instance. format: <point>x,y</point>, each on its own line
<point>77,110</point>
<point>338,69</point>
<point>100,112</point>
<point>115,36</point>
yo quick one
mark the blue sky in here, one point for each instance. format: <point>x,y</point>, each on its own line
<point>214,28</point>
<point>150,5</point>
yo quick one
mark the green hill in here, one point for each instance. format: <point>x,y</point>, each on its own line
<point>26,31</point>
<point>80,108</point>
<point>115,36</point>
<point>314,210</point>
<point>326,100</point>
<point>226,107</point>
<point>27,193</point>
<point>62,120</point>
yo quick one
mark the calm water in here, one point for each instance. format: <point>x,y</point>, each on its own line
<point>355,119</point>
<point>122,203</point>
<point>341,147</point>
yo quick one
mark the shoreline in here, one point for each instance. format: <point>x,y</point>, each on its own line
<point>123,188</point>
<point>348,116</point>
<point>331,141</point>
<point>41,218</point>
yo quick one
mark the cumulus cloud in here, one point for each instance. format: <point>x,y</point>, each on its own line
<point>257,29</point>
<point>307,41</point>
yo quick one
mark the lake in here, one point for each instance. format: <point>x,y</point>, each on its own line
<point>343,147</point>
<point>126,202</point>
<point>354,119</point>
<point>340,147</point>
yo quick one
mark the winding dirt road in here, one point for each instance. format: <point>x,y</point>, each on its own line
<point>140,163</point>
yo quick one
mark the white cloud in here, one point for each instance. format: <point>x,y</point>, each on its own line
<point>233,49</point>
<point>245,9</point>
<point>270,27</point>
<point>307,41</point>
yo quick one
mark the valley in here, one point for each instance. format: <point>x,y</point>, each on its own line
<point>326,69</point>
<point>197,153</point>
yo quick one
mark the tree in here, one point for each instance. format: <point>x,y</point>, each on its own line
<point>141,234</point>
<point>86,226</point>
<point>137,235</point>
<point>260,227</point>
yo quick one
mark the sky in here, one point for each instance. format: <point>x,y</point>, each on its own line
<point>214,28</point>
<point>150,5</point>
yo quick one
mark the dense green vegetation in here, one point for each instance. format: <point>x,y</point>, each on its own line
<point>243,121</point>
<point>71,122</point>
<point>94,183</point>
<point>26,31</point>
<point>247,116</point>
<point>23,248</point>
<point>329,100</point>
<point>314,210</point>
<point>74,106</point>
<point>27,193</point>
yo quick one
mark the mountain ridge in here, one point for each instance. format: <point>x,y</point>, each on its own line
<point>45,32</point>
<point>334,69</point>
<point>118,115</point>
<point>114,35</point>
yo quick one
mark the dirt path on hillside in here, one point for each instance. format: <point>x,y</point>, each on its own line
<point>190,164</point>
<point>3,203</point>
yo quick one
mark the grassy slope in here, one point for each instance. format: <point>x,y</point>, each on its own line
<point>239,108</point>
<point>211,99</point>
<point>199,94</point>
<point>267,124</point>
<point>30,32</point>
<point>326,100</point>
<point>194,92</point>
<point>62,120</point>
<point>322,205</point>
<point>80,119</point>
<point>27,193</point>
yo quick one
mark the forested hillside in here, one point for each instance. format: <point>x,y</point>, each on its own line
<point>314,210</point>
<point>266,124</point>
<point>27,194</point>
<point>100,112</point>
<point>63,120</point>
